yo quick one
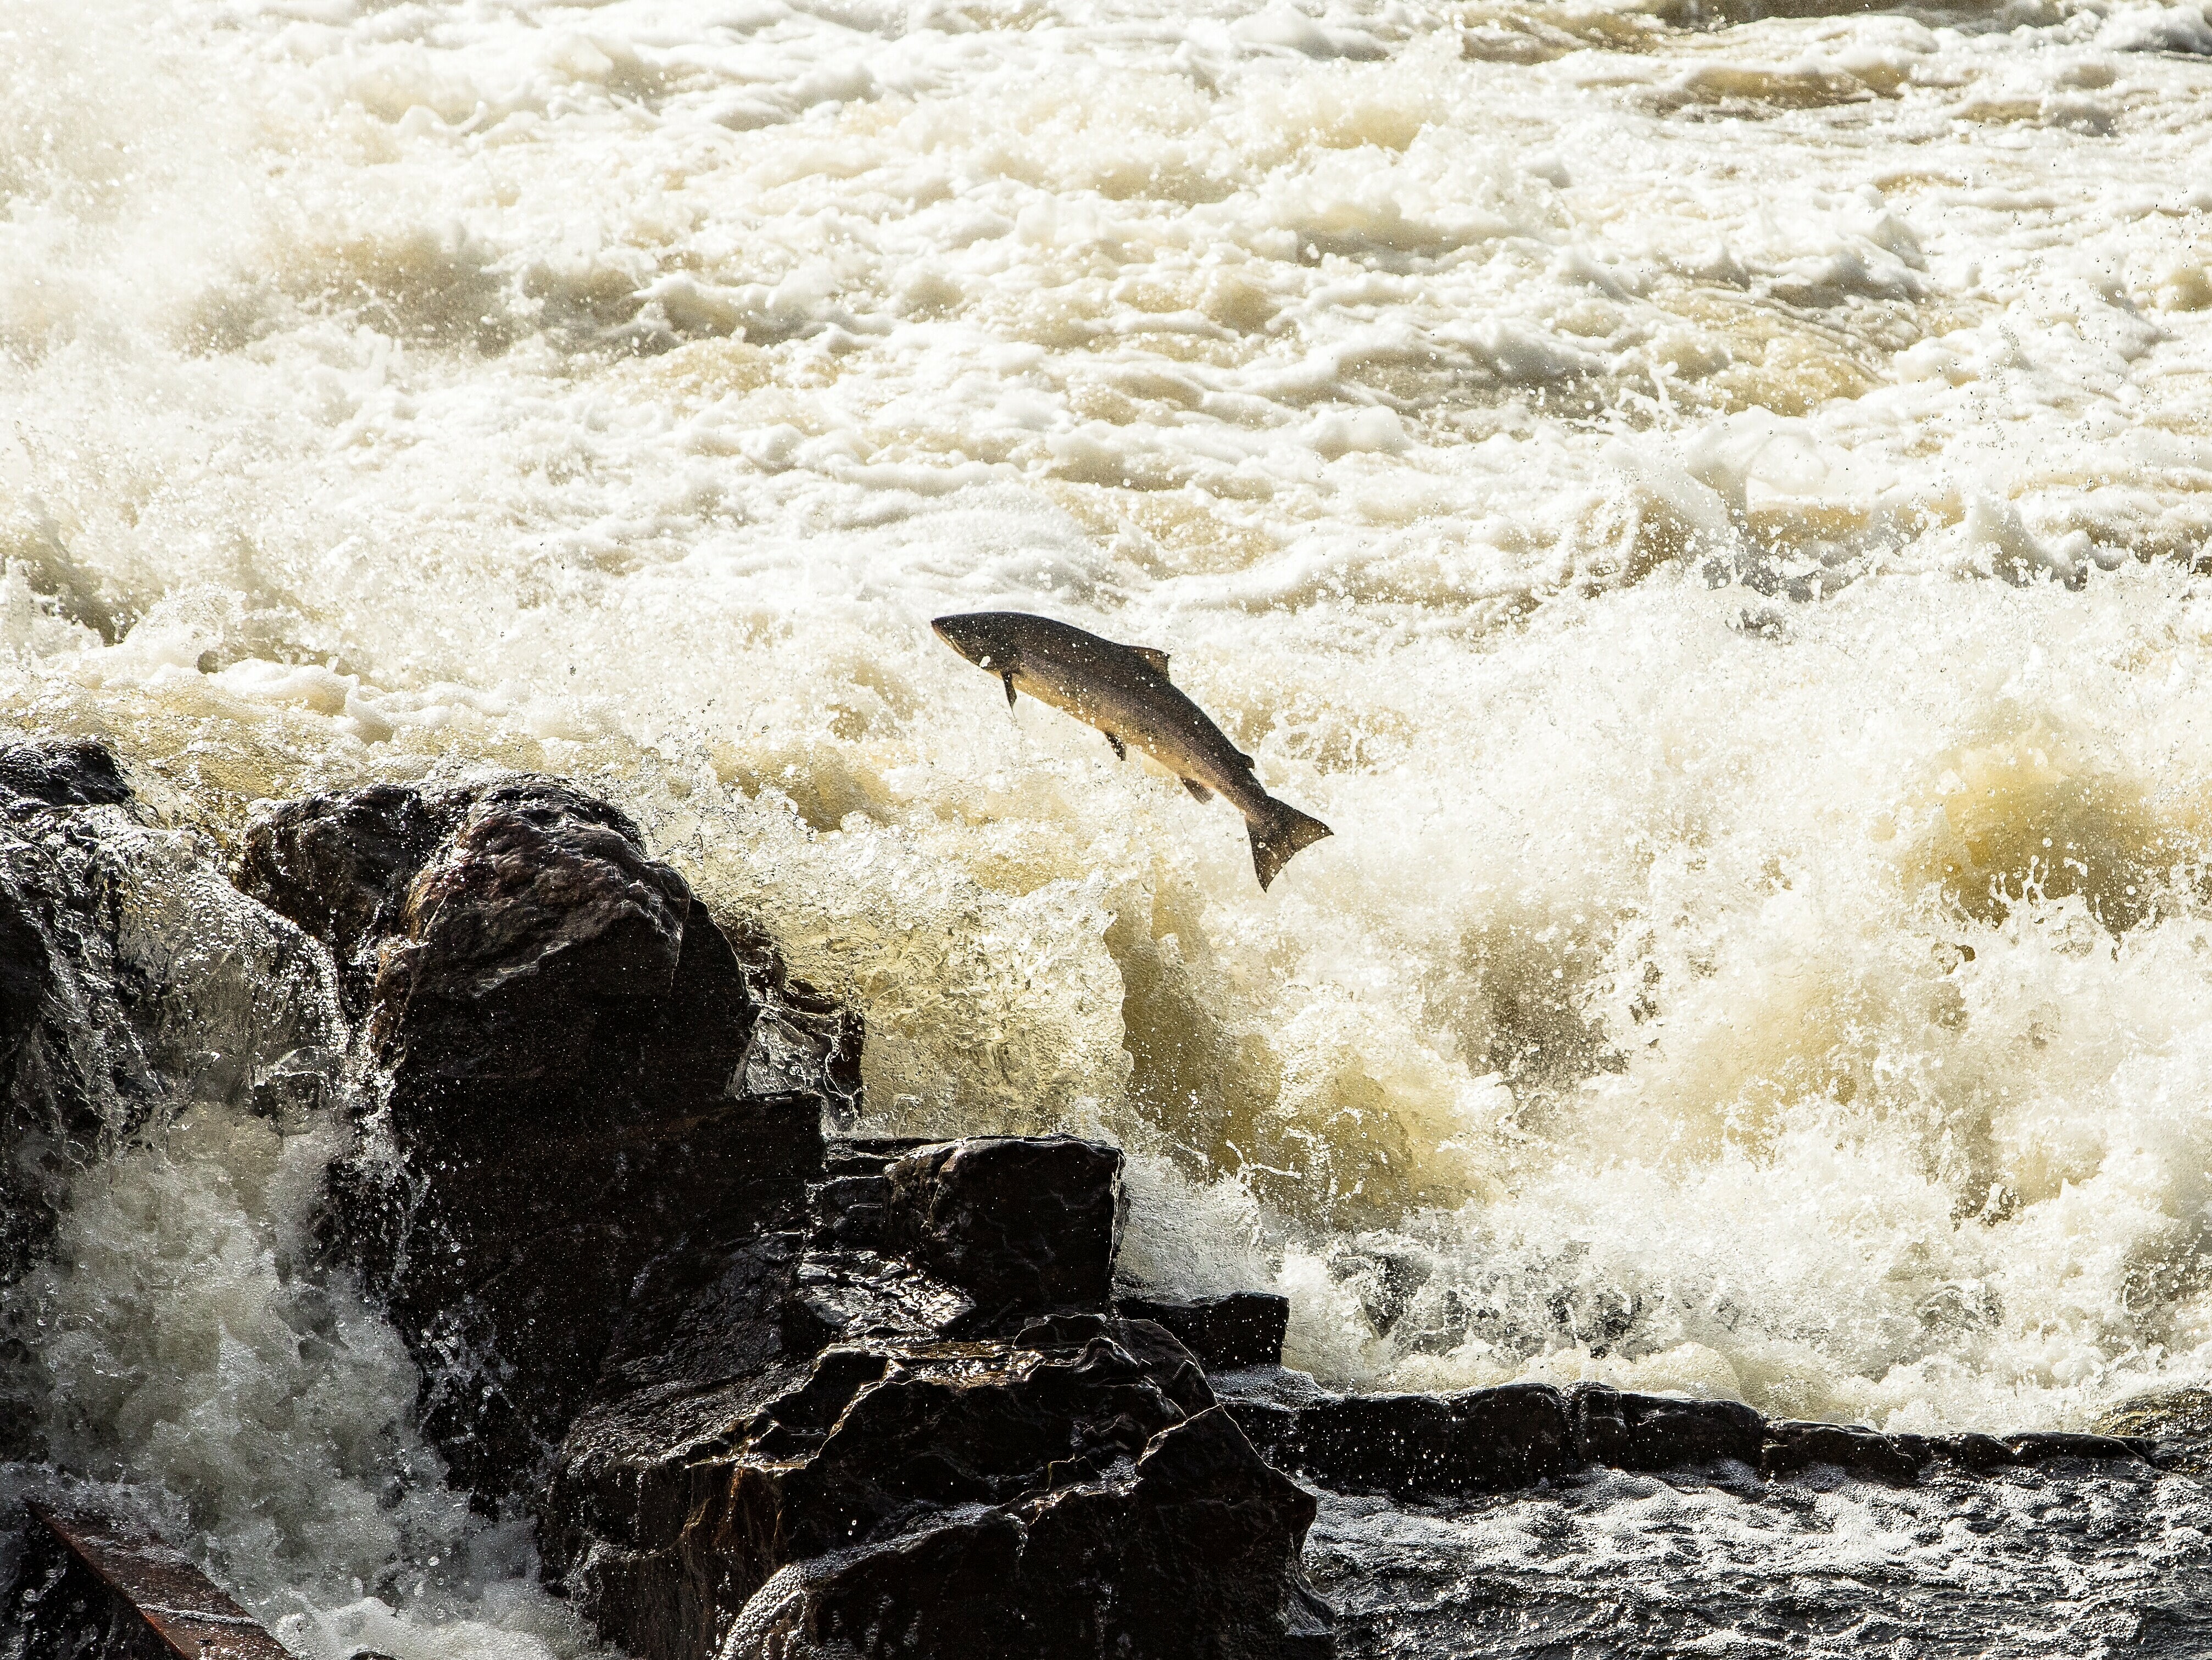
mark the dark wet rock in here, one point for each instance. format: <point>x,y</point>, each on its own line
<point>133,980</point>
<point>1410,1445</point>
<point>1974,1453</point>
<point>945,1584</point>
<point>1791,1446</point>
<point>2047,1446</point>
<point>1656,1432</point>
<point>1180,1554</point>
<point>92,1587</point>
<point>846,1296</point>
<point>1022,1225</point>
<point>525,864</point>
<point>70,773</point>
<point>1243,1328</point>
<point>587,1076</point>
<point>850,1212</point>
<point>339,866</point>
<point>1900,1459</point>
<point>868,1457</point>
<point>1489,1440</point>
<point>940,1239</point>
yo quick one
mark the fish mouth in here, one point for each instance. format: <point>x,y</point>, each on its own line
<point>951,630</point>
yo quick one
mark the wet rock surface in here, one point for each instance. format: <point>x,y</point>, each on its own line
<point>134,982</point>
<point>1227,1333</point>
<point>1020,1224</point>
<point>340,867</point>
<point>584,1074</point>
<point>966,1454</point>
<point>1494,1440</point>
<point>1182,1554</point>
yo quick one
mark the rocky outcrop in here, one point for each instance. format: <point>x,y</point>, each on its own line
<point>1633,1432</point>
<point>582,1073</point>
<point>804,1399</point>
<point>1412,1445</point>
<point>924,1433</point>
<point>134,981</point>
<point>92,1587</point>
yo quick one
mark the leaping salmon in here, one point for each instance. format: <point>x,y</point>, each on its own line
<point>1125,692</point>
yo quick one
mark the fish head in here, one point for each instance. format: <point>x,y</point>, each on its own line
<point>982,638</point>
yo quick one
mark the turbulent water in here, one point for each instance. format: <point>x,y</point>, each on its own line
<point>1708,502</point>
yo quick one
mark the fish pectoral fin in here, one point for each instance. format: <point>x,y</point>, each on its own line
<point>1009,679</point>
<point>1198,789</point>
<point>1121,749</point>
<point>1158,660</point>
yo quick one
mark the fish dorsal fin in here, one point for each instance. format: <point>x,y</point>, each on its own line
<point>1158,660</point>
<point>1248,763</point>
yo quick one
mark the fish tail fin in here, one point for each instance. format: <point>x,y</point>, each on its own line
<point>1281,834</point>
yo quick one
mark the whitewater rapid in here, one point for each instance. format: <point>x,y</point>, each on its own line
<point>1709,505</point>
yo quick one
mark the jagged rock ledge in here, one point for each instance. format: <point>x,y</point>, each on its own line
<point>1489,1440</point>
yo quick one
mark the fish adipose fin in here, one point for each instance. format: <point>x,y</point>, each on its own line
<point>1281,834</point>
<point>1158,660</point>
<point>1121,749</point>
<point>1009,679</point>
<point>1198,789</point>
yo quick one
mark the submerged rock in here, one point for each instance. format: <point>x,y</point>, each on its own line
<point>964,1455</point>
<point>71,773</point>
<point>584,1075</point>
